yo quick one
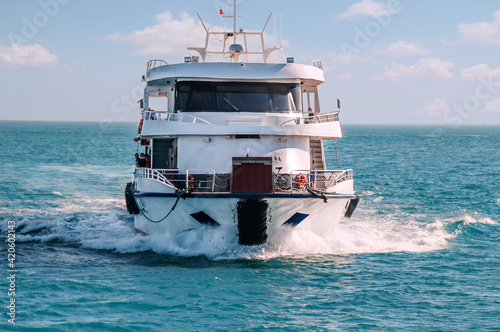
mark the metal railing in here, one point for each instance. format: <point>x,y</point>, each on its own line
<point>318,179</point>
<point>319,118</point>
<point>204,179</point>
<point>155,63</point>
<point>317,64</point>
<point>176,117</point>
<point>152,174</point>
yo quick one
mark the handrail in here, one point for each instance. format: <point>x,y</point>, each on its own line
<point>344,175</point>
<point>318,118</point>
<point>175,117</point>
<point>315,177</point>
<point>317,64</point>
<point>153,174</point>
<point>155,63</point>
<point>178,177</point>
<point>180,118</point>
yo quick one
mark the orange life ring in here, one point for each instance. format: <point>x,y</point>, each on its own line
<point>191,179</point>
<point>301,180</point>
<point>139,130</point>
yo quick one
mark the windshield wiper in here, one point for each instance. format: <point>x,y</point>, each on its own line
<point>234,107</point>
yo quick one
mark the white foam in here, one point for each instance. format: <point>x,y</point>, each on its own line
<point>109,227</point>
<point>350,237</point>
<point>487,221</point>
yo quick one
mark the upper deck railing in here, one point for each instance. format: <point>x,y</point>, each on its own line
<point>180,117</point>
<point>317,64</point>
<point>319,118</point>
<point>175,117</point>
<point>155,63</point>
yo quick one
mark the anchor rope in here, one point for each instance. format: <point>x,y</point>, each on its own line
<point>186,192</point>
<point>318,193</point>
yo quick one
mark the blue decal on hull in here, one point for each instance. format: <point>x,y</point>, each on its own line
<point>296,219</point>
<point>204,219</point>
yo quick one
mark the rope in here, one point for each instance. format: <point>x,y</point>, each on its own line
<point>186,192</point>
<point>318,193</point>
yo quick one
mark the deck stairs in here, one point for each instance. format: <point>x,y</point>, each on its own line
<point>317,158</point>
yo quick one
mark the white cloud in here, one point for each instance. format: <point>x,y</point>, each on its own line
<point>168,37</point>
<point>332,60</point>
<point>433,109</point>
<point>368,8</point>
<point>427,67</point>
<point>479,71</point>
<point>405,49</point>
<point>19,55</point>
<point>171,37</point>
<point>481,32</point>
<point>344,77</point>
<point>492,106</point>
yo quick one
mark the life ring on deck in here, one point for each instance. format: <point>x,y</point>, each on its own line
<point>301,180</point>
<point>191,179</point>
<point>139,130</point>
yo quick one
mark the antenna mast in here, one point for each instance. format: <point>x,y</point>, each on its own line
<point>234,20</point>
<point>235,50</point>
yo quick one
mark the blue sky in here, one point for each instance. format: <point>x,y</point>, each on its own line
<point>390,62</point>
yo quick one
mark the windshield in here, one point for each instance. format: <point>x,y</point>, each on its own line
<point>234,97</point>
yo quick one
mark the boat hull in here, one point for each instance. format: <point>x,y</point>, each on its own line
<point>283,211</point>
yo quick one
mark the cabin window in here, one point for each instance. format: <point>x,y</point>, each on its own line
<point>234,97</point>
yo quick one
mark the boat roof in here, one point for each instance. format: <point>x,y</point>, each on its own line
<point>227,71</point>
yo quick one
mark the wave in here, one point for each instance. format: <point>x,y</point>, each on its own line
<point>114,231</point>
<point>486,221</point>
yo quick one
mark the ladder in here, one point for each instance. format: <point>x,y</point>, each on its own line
<point>317,162</point>
<point>317,157</point>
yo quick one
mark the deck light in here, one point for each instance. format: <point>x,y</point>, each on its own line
<point>187,59</point>
<point>289,60</point>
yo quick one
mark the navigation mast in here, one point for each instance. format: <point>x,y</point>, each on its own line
<point>234,50</point>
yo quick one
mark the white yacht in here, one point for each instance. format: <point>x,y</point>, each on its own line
<point>238,145</point>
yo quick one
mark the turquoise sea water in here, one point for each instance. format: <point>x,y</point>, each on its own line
<point>421,253</point>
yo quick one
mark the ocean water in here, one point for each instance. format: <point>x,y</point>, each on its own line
<point>421,252</point>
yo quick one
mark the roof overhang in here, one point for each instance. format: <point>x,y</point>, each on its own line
<point>221,71</point>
